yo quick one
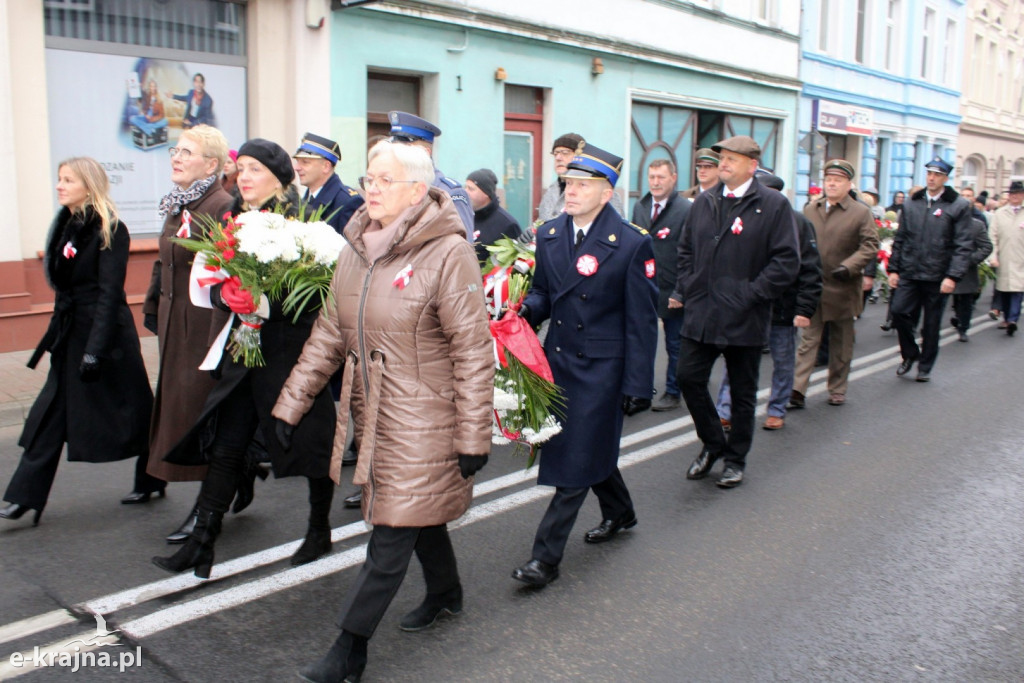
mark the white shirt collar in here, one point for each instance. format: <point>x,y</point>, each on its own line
<point>739,191</point>
<point>936,197</point>
<point>577,228</point>
<point>312,194</point>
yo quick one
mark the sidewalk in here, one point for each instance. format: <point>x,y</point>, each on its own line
<point>19,385</point>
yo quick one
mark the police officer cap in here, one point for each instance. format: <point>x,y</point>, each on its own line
<point>740,144</point>
<point>938,166</point>
<point>408,128</point>
<point>316,147</point>
<point>840,167</point>
<point>271,155</point>
<point>707,155</point>
<point>594,162</point>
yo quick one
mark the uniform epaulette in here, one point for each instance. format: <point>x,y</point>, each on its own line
<point>351,192</point>
<point>636,227</point>
<point>449,182</point>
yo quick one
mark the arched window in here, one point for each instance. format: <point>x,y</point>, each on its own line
<point>1018,170</point>
<point>974,168</point>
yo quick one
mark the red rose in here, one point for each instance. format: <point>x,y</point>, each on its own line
<point>221,244</point>
<point>228,254</point>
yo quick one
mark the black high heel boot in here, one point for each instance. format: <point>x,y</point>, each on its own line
<point>247,485</point>
<point>185,530</point>
<point>16,511</point>
<point>343,663</point>
<point>318,535</point>
<point>197,552</point>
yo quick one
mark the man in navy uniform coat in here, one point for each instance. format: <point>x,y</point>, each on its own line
<point>406,127</point>
<point>314,164</point>
<point>594,280</point>
<point>739,252</point>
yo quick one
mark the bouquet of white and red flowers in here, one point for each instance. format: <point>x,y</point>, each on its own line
<point>527,402</point>
<point>259,253</point>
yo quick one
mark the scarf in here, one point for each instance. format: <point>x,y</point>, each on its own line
<point>177,198</point>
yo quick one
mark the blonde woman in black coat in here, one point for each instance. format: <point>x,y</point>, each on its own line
<point>97,397</point>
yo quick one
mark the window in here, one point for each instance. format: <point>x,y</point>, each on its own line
<point>949,53</point>
<point>764,10</point>
<point>974,168</point>
<point>216,27</point>
<point>927,39</point>
<point>892,19</point>
<point>386,92</point>
<point>976,86</point>
<point>823,9</point>
<point>1018,170</point>
<point>859,48</point>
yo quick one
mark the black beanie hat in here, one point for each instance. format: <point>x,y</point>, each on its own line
<point>271,155</point>
<point>569,141</point>
<point>486,181</point>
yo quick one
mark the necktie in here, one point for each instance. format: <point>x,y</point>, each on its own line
<point>657,212</point>
<point>930,200</point>
<point>579,240</point>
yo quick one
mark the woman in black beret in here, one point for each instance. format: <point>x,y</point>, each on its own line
<point>237,411</point>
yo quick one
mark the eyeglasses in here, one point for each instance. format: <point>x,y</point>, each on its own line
<point>185,154</point>
<point>382,183</point>
<point>563,153</point>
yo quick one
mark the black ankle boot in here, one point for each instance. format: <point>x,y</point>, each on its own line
<point>185,530</point>
<point>433,607</point>
<point>343,663</point>
<point>318,536</point>
<point>198,549</point>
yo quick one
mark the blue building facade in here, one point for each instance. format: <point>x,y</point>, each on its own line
<point>882,82</point>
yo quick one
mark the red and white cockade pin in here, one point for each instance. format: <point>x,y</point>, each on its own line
<point>737,226</point>
<point>69,250</point>
<point>185,231</point>
<point>937,212</point>
<point>403,277</point>
<point>663,233</point>
<point>586,265</point>
<point>649,268</point>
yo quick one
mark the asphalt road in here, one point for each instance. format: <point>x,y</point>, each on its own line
<point>878,541</point>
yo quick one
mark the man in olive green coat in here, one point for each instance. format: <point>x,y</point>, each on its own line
<point>847,242</point>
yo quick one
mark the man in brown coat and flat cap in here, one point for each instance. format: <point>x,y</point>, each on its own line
<point>847,243</point>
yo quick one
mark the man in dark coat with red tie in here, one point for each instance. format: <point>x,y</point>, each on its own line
<point>662,212</point>
<point>594,280</point>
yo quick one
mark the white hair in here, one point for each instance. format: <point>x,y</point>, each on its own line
<point>417,163</point>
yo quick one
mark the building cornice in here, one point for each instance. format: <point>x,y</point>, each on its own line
<point>723,18</point>
<point>990,132</point>
<point>876,73</point>
<point>459,15</point>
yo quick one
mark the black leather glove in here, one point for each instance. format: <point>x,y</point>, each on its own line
<point>524,313</point>
<point>284,432</point>
<point>149,322</point>
<point>471,464</point>
<point>631,405</point>
<point>842,274</point>
<point>216,299</point>
<point>89,370</point>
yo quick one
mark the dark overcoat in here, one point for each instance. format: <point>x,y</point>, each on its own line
<point>184,334</point>
<point>665,234</point>
<point>491,223</point>
<point>971,283</point>
<point>601,340</point>
<point>108,419</point>
<point>340,202</point>
<point>728,278</point>
<point>281,341</point>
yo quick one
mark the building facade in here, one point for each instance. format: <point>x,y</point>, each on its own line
<point>990,153</point>
<point>881,89</point>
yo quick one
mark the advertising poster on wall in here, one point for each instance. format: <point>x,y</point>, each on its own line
<point>126,112</point>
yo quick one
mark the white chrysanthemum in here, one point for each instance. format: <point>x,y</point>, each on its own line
<point>551,428</point>
<point>504,401</point>
<point>318,240</point>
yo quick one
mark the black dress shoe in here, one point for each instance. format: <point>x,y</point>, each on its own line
<point>536,573</point>
<point>886,326</point>
<point>1011,328</point>
<point>349,457</point>
<point>354,501</point>
<point>703,464</point>
<point>609,527</point>
<point>16,511</point>
<point>731,477</point>
<point>923,376</point>
<point>139,497</point>
<point>905,366</point>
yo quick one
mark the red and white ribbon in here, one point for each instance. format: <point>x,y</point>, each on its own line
<point>69,250</point>
<point>937,212</point>
<point>403,277</point>
<point>586,265</point>
<point>737,226</point>
<point>663,233</point>
<point>185,231</point>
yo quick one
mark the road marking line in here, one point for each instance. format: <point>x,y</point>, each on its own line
<point>41,622</point>
<point>90,641</point>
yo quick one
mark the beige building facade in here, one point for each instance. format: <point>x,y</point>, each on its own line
<point>990,150</point>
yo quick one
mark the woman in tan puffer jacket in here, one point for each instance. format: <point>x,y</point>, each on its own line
<point>410,330</point>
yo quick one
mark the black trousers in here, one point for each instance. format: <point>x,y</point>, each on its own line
<point>30,486</point>
<point>387,559</point>
<point>558,520</point>
<point>696,360</point>
<point>912,299</point>
<point>237,421</point>
<point>963,308</point>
